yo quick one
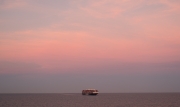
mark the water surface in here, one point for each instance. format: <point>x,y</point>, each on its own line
<point>101,100</point>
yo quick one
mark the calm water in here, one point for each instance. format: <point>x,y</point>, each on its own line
<point>101,100</point>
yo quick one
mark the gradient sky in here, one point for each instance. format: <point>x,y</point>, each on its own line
<point>65,46</point>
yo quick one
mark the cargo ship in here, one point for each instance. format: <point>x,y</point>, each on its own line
<point>90,92</point>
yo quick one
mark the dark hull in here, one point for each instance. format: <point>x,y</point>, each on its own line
<point>92,94</point>
<point>89,93</point>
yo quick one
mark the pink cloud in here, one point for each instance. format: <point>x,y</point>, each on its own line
<point>70,43</point>
<point>114,9</point>
<point>103,8</point>
<point>11,4</point>
<point>173,6</point>
<point>70,50</point>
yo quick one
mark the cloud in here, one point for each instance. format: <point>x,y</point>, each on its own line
<point>114,8</point>
<point>12,4</point>
<point>64,51</point>
<point>90,33</point>
<point>173,5</point>
<point>103,8</point>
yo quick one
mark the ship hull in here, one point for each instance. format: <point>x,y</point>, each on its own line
<point>92,94</point>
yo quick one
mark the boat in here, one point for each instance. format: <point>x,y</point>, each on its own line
<point>90,92</point>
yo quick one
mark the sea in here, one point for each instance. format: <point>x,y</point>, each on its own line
<point>101,100</point>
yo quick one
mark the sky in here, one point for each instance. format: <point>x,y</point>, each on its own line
<point>65,46</point>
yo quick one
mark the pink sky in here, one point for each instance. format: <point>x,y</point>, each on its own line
<point>65,36</point>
